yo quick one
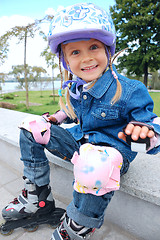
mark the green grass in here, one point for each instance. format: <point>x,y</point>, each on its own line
<point>47,102</point>
<point>156,98</point>
<point>34,97</point>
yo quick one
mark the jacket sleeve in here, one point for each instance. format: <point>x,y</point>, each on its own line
<point>139,107</point>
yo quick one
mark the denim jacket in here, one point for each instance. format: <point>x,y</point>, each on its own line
<point>102,120</point>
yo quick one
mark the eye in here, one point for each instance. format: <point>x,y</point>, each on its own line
<point>75,52</point>
<point>93,47</point>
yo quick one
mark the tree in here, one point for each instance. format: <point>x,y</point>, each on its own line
<point>50,59</point>
<point>33,74</point>
<point>18,72</point>
<point>3,76</point>
<point>22,33</point>
<point>4,48</point>
<point>138,27</point>
<point>155,83</point>
<point>38,71</point>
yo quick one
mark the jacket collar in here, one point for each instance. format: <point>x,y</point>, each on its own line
<point>103,83</point>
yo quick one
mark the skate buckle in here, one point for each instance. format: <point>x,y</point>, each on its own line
<point>42,204</point>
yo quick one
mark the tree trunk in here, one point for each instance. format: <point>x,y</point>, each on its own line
<point>146,74</point>
<point>53,90</point>
<point>25,70</point>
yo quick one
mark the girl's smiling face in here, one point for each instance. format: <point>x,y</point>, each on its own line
<point>86,59</point>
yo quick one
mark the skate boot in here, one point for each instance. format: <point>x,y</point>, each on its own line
<point>31,200</point>
<point>70,230</point>
<point>34,206</point>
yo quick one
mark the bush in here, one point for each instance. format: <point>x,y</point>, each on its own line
<point>8,96</point>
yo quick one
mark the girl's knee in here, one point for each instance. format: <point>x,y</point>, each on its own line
<point>97,169</point>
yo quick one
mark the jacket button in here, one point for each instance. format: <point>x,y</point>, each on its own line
<point>84,97</point>
<point>103,114</point>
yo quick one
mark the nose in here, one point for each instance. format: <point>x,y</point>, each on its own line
<point>87,57</point>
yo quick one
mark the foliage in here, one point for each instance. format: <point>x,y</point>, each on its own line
<point>47,54</point>
<point>8,96</point>
<point>21,33</point>
<point>4,48</point>
<point>138,27</point>
<point>50,59</point>
<point>18,73</point>
<point>38,71</point>
<point>3,77</point>
<point>33,74</point>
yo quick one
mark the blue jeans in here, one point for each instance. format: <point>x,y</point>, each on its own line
<point>85,209</point>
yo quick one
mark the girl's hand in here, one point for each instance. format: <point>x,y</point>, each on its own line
<point>136,132</point>
<point>52,119</point>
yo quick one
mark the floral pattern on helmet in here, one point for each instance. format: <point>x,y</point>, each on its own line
<point>82,14</point>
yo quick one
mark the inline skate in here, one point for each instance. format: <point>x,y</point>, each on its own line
<point>34,206</point>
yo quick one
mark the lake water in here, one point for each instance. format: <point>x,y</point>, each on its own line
<point>14,86</point>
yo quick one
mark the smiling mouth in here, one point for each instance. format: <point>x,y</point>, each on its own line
<point>89,68</point>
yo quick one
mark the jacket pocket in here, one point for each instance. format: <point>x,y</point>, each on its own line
<point>106,113</point>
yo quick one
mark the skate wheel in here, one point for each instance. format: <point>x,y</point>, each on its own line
<point>3,229</point>
<point>6,233</point>
<point>31,228</point>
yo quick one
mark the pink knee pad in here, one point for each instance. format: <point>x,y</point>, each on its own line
<point>97,169</point>
<point>37,125</point>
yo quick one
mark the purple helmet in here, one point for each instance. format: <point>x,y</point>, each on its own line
<point>81,21</point>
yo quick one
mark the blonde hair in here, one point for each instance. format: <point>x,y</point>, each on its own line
<point>68,76</point>
<point>69,109</point>
<point>119,87</point>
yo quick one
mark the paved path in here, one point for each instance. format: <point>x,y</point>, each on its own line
<point>10,185</point>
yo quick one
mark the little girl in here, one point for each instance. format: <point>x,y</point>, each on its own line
<point>109,107</point>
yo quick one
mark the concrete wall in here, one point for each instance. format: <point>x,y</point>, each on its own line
<point>135,207</point>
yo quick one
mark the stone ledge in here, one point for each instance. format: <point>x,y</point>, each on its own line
<point>142,180</point>
<point>134,208</point>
